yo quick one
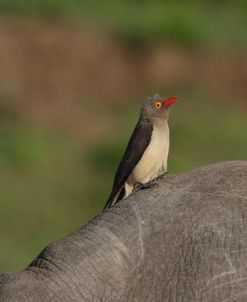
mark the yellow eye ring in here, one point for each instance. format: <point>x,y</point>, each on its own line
<point>158,105</point>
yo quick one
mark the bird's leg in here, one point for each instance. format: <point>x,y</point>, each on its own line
<point>147,185</point>
<point>152,183</point>
<point>137,186</point>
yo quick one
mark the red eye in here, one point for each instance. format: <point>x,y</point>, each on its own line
<point>158,105</point>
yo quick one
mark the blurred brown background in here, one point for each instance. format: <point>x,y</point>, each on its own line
<point>72,78</point>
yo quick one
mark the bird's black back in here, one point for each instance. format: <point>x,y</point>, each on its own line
<point>138,143</point>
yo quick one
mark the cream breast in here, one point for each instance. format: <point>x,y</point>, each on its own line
<point>154,159</point>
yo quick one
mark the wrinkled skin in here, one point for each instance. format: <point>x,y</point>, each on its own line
<point>185,240</point>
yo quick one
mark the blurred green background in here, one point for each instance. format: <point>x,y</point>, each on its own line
<point>73,75</point>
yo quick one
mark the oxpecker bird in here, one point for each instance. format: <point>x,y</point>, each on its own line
<point>145,158</point>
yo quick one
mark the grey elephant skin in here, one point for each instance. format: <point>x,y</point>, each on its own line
<point>185,240</point>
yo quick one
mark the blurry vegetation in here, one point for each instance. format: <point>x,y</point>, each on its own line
<point>42,185</point>
<point>67,111</point>
<point>190,22</point>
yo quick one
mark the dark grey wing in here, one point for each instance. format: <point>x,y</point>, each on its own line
<point>138,143</point>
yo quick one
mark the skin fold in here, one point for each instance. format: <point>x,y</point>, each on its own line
<point>184,240</point>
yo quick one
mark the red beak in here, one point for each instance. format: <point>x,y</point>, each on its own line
<point>170,100</point>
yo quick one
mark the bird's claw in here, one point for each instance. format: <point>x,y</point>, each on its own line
<point>162,176</point>
<point>148,185</point>
<point>139,186</point>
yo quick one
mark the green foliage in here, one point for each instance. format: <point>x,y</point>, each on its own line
<point>52,184</point>
<point>42,188</point>
<point>187,22</point>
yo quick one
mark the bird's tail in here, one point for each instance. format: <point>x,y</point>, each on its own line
<point>114,198</point>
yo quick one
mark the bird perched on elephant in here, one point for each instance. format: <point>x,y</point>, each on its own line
<point>145,158</point>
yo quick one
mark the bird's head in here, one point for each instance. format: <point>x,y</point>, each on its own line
<point>157,106</point>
